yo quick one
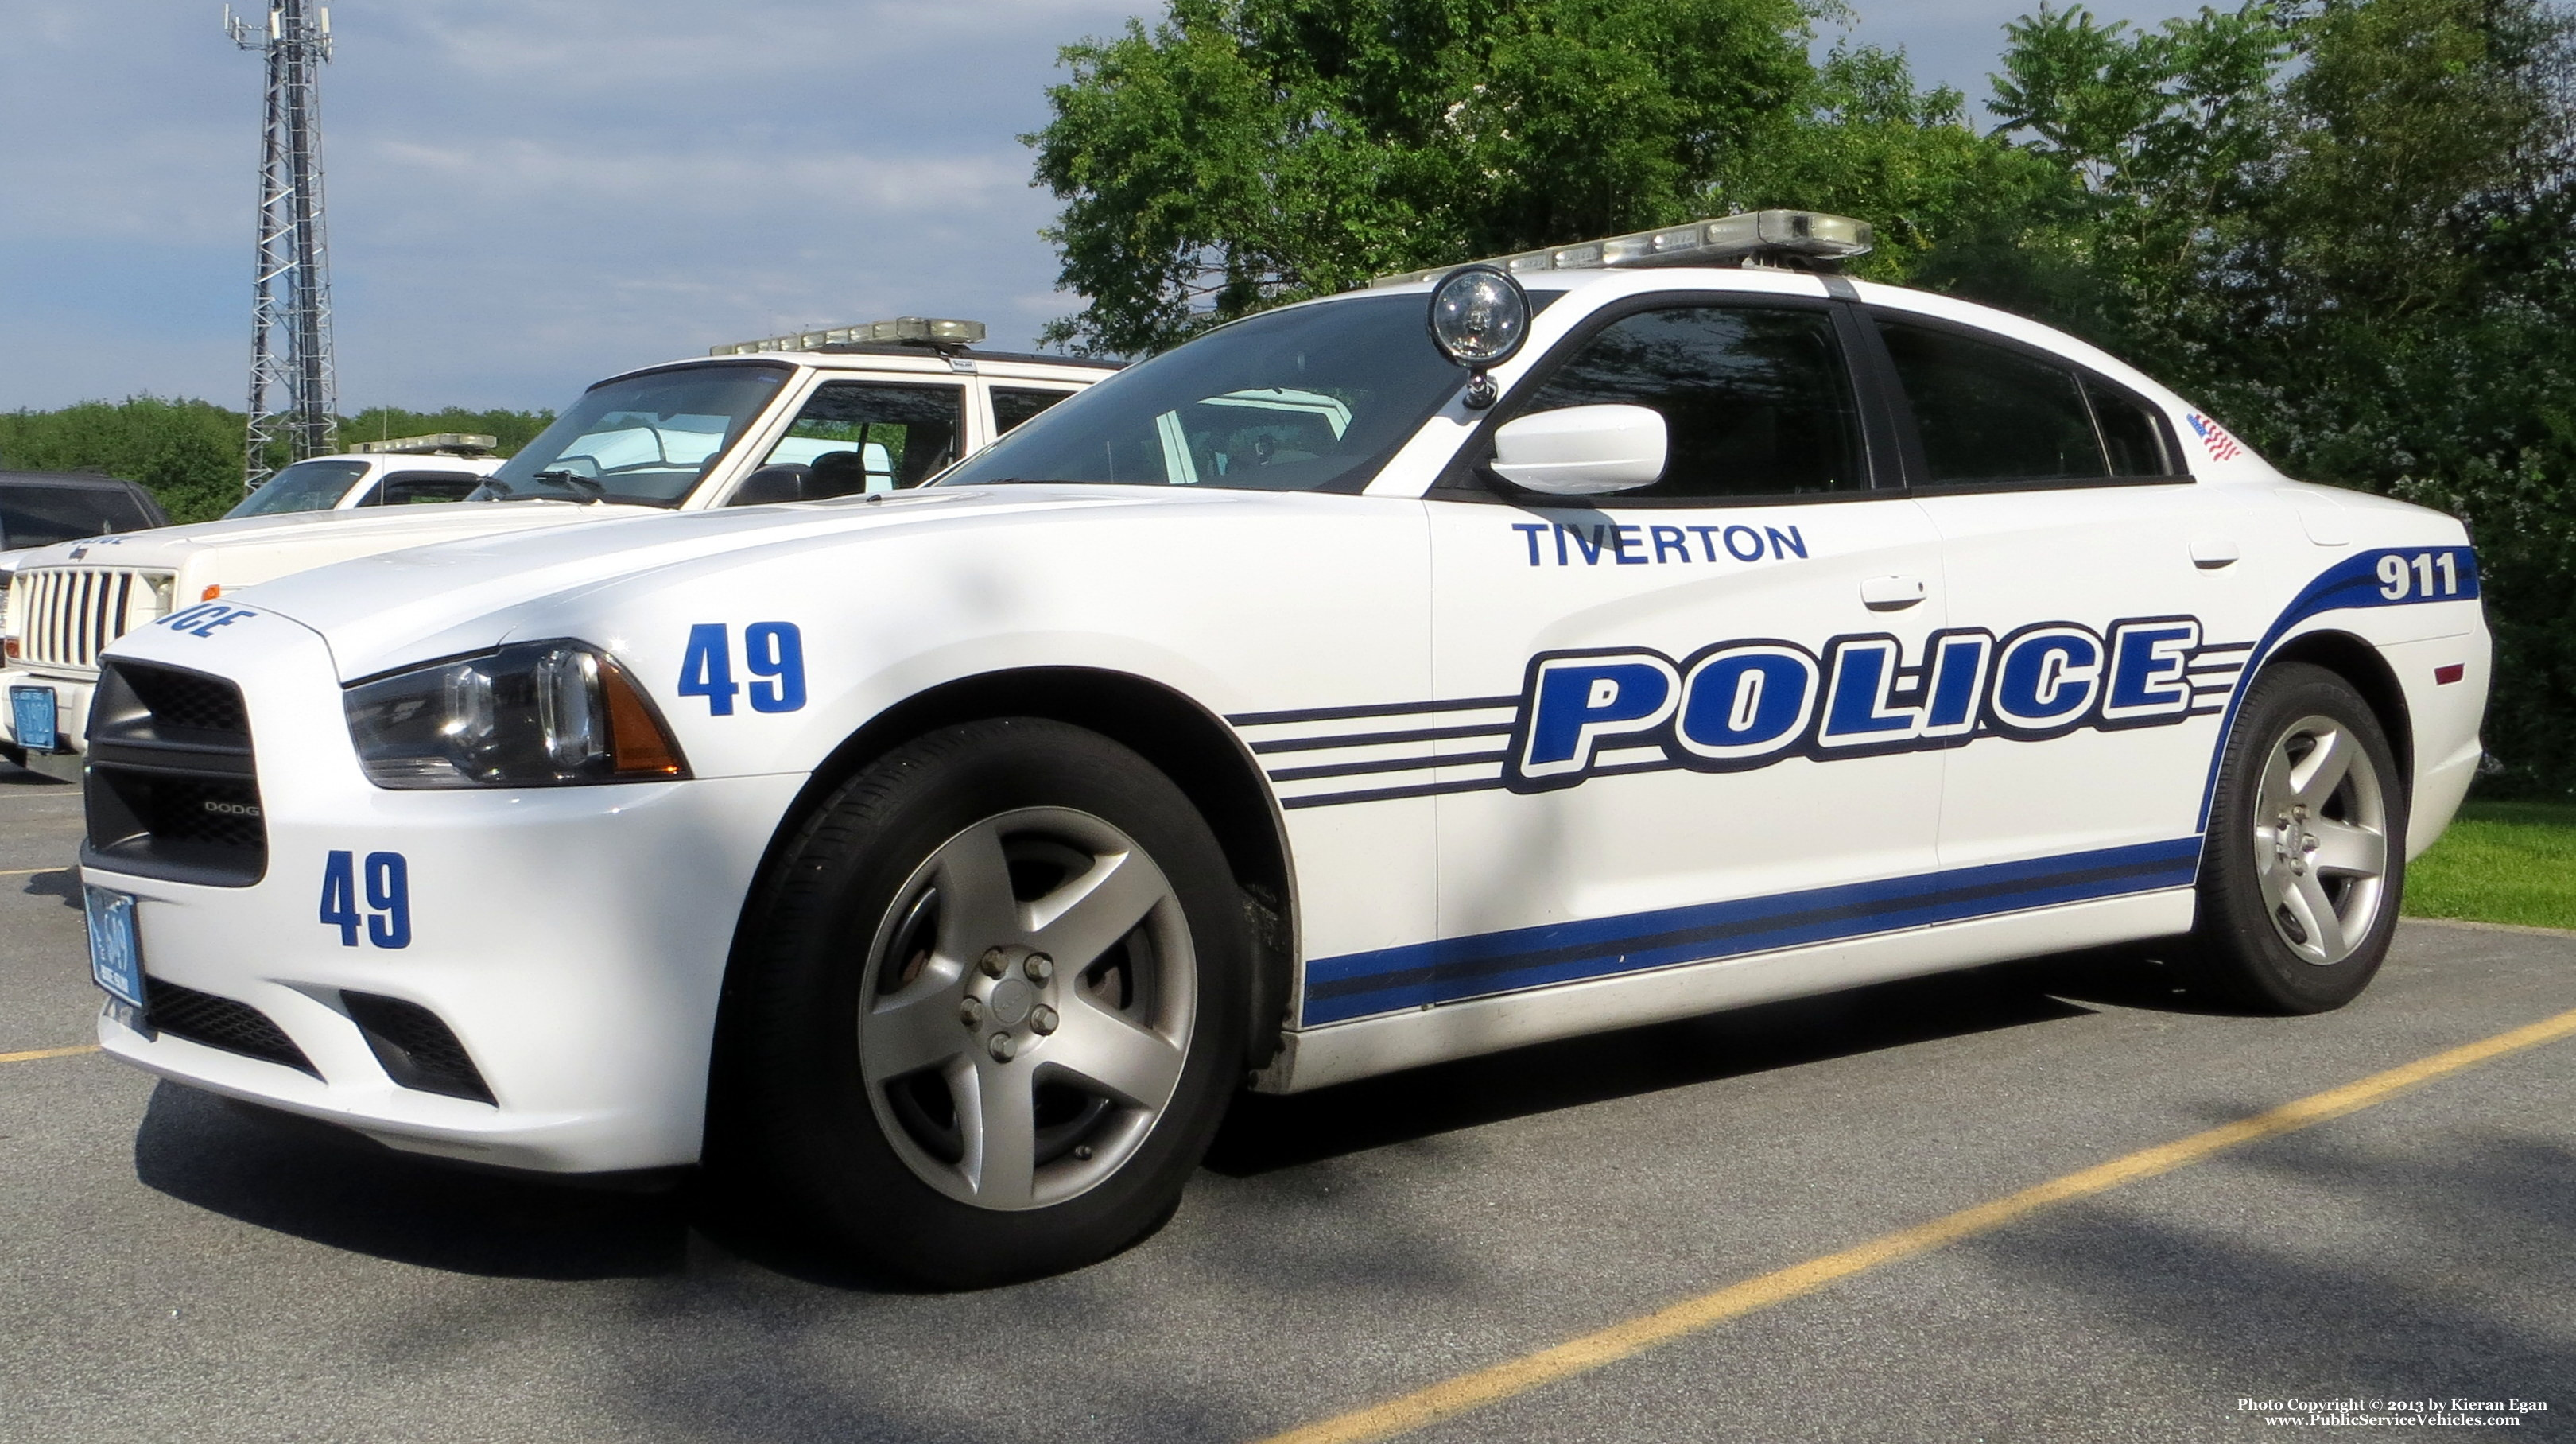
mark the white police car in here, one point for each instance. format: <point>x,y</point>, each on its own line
<point>1296,703</point>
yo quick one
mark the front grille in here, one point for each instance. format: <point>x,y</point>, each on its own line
<point>172,787</point>
<point>417,1049</point>
<point>68,615</point>
<point>220,1023</point>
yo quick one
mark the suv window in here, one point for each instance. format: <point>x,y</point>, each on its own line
<point>855,436</point>
<point>406,488</point>
<point>40,516</point>
<point>304,486</point>
<point>1013,405</point>
<point>1996,413</point>
<point>1756,401</point>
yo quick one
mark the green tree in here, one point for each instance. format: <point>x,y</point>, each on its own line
<point>2350,229</point>
<point>1248,152</point>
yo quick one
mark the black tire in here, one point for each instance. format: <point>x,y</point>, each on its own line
<point>2261,882</point>
<point>864,1170</point>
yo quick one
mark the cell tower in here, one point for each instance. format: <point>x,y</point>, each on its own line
<point>292,391</point>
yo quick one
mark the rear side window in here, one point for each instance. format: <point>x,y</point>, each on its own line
<point>1989,413</point>
<point>1013,405</point>
<point>407,488</point>
<point>2130,432</point>
<point>39,516</point>
<point>1755,400</point>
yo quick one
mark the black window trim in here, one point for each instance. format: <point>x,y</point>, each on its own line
<point>1465,478</point>
<point>1909,438</point>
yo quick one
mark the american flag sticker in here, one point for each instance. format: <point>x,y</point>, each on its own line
<point>2222,447</point>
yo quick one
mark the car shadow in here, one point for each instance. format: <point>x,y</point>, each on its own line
<point>1268,1132</point>
<point>63,883</point>
<point>322,1183</point>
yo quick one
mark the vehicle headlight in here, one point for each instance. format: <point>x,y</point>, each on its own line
<point>537,714</point>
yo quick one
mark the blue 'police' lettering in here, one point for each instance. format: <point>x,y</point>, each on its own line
<point>1858,706</point>
<point>2046,677</point>
<point>1577,701</point>
<point>1744,702</point>
<point>2147,669</point>
<point>1959,661</point>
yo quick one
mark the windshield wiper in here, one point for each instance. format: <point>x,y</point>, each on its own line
<point>573,482</point>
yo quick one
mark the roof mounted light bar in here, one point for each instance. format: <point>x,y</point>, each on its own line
<point>934,331</point>
<point>1804,240</point>
<point>455,443</point>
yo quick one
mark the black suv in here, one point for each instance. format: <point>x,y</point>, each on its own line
<point>40,508</point>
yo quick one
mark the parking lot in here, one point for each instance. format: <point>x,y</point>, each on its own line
<point>174,1267</point>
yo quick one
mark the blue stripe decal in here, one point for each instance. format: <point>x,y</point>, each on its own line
<point>1356,985</point>
<point>2348,585</point>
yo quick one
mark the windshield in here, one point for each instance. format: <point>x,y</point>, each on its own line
<point>1312,398</point>
<point>645,439</point>
<point>305,486</point>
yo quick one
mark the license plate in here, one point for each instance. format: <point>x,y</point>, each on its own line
<point>32,709</point>
<point>115,961</point>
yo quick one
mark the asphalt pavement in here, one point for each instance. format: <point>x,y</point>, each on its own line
<point>173,1267</point>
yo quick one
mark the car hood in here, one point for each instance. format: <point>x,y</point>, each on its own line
<point>387,610</point>
<point>252,549</point>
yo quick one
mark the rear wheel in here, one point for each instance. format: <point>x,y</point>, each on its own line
<point>2305,856</point>
<point>986,1025</point>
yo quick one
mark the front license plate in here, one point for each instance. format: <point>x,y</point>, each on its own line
<point>115,962</point>
<point>32,709</point>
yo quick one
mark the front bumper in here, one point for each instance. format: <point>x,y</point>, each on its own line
<point>573,939</point>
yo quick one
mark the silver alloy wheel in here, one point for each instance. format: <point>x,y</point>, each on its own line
<point>1027,1008</point>
<point>2321,839</point>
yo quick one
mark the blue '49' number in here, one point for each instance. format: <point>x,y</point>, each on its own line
<point>388,891</point>
<point>772,652</point>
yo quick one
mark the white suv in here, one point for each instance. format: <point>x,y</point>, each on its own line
<point>740,428</point>
<point>404,472</point>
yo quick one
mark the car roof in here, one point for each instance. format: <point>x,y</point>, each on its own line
<point>880,360</point>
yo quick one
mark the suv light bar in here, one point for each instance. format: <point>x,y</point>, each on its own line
<point>915,330</point>
<point>463,443</point>
<point>1801,239</point>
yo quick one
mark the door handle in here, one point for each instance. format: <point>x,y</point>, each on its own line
<point>2209,553</point>
<point>1891,594</point>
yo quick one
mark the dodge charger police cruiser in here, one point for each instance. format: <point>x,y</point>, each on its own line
<point>1562,643</point>
<point>820,413</point>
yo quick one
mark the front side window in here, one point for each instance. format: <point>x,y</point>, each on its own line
<point>1756,400</point>
<point>1989,413</point>
<point>644,439</point>
<point>1308,398</point>
<point>859,436</point>
<point>305,486</point>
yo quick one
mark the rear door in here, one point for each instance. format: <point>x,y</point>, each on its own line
<point>2096,576</point>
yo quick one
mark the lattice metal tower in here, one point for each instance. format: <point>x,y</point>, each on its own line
<point>292,391</point>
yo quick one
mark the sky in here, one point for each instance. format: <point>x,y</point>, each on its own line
<point>526,195</point>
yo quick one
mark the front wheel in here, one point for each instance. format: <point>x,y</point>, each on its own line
<point>987,1019</point>
<point>2305,857</point>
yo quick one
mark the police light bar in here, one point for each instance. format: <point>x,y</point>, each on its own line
<point>1796,238</point>
<point>912,330</point>
<point>451,442</point>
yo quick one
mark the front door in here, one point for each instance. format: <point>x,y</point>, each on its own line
<point>1681,729</point>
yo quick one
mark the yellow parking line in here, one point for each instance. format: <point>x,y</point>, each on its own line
<point>1619,1341</point>
<point>32,1054</point>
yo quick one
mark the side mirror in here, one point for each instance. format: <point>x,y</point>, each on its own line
<point>779,481</point>
<point>1582,450</point>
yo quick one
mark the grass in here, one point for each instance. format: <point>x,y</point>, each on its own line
<point>2501,862</point>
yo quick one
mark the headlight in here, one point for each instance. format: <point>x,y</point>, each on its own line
<point>538,714</point>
